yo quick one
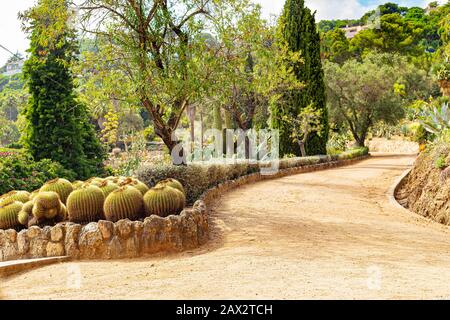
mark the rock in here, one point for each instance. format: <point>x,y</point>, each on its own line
<point>124,228</point>
<point>90,242</point>
<point>173,233</point>
<point>34,232</point>
<point>72,233</point>
<point>138,227</point>
<point>72,250</point>
<point>55,249</point>
<point>131,247</point>
<point>106,228</point>
<point>189,231</point>
<point>10,251</point>
<point>153,235</point>
<point>23,244</point>
<point>57,233</point>
<point>11,235</point>
<point>115,249</point>
<point>38,247</point>
<point>46,231</point>
<point>71,240</point>
<point>2,237</point>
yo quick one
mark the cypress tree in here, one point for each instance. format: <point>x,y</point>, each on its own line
<point>298,30</point>
<point>57,125</point>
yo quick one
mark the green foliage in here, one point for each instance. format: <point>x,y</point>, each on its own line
<point>57,125</point>
<point>298,31</point>
<point>21,172</point>
<point>440,163</point>
<point>362,94</point>
<point>436,120</point>
<point>198,178</point>
<point>335,46</point>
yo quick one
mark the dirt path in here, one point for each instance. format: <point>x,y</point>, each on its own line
<point>327,234</point>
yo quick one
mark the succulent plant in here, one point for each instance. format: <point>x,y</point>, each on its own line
<point>163,201</point>
<point>9,211</point>
<point>62,187</point>
<point>21,196</point>
<point>25,213</point>
<point>172,183</point>
<point>23,218</point>
<point>46,205</point>
<point>142,187</point>
<point>34,194</point>
<point>95,181</point>
<point>85,204</point>
<point>77,184</point>
<point>124,203</point>
<point>107,187</point>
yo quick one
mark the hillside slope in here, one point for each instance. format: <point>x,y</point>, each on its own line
<point>426,190</point>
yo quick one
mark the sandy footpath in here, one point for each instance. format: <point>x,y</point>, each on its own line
<point>327,234</point>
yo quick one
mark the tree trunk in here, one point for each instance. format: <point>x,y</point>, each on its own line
<point>302,148</point>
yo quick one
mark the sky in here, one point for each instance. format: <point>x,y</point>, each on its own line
<point>12,37</point>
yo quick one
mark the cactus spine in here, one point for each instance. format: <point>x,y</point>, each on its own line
<point>172,183</point>
<point>21,196</point>
<point>85,204</point>
<point>164,201</point>
<point>9,211</point>
<point>46,205</point>
<point>62,187</point>
<point>25,213</point>
<point>142,187</point>
<point>107,187</point>
<point>123,203</point>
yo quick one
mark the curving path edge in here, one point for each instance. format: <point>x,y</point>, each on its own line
<point>319,235</point>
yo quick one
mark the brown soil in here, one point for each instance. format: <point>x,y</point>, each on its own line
<point>426,190</point>
<point>328,234</point>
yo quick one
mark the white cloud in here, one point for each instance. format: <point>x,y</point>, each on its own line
<point>11,35</point>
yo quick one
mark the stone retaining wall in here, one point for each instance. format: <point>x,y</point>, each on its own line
<point>131,239</point>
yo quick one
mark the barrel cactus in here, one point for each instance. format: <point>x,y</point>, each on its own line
<point>124,203</point>
<point>95,181</point>
<point>21,196</point>
<point>172,183</point>
<point>46,205</point>
<point>77,184</point>
<point>62,187</point>
<point>25,213</point>
<point>142,187</point>
<point>163,201</point>
<point>107,187</point>
<point>9,212</point>
<point>85,204</point>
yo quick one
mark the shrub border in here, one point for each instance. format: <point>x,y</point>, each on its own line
<point>133,239</point>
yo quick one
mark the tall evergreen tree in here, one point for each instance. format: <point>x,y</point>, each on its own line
<point>299,32</point>
<point>57,125</point>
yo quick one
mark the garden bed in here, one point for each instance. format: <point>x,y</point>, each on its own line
<point>131,239</point>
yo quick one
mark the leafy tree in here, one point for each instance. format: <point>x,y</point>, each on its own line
<point>362,93</point>
<point>298,32</point>
<point>307,121</point>
<point>335,46</point>
<point>57,125</point>
<point>395,35</point>
<point>158,46</point>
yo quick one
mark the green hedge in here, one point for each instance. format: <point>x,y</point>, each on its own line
<point>197,178</point>
<point>20,172</point>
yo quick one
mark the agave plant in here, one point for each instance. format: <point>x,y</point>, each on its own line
<point>436,120</point>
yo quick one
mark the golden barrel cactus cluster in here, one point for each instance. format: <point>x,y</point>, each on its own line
<point>112,198</point>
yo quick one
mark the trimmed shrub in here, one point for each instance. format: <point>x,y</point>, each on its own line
<point>197,178</point>
<point>21,172</point>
